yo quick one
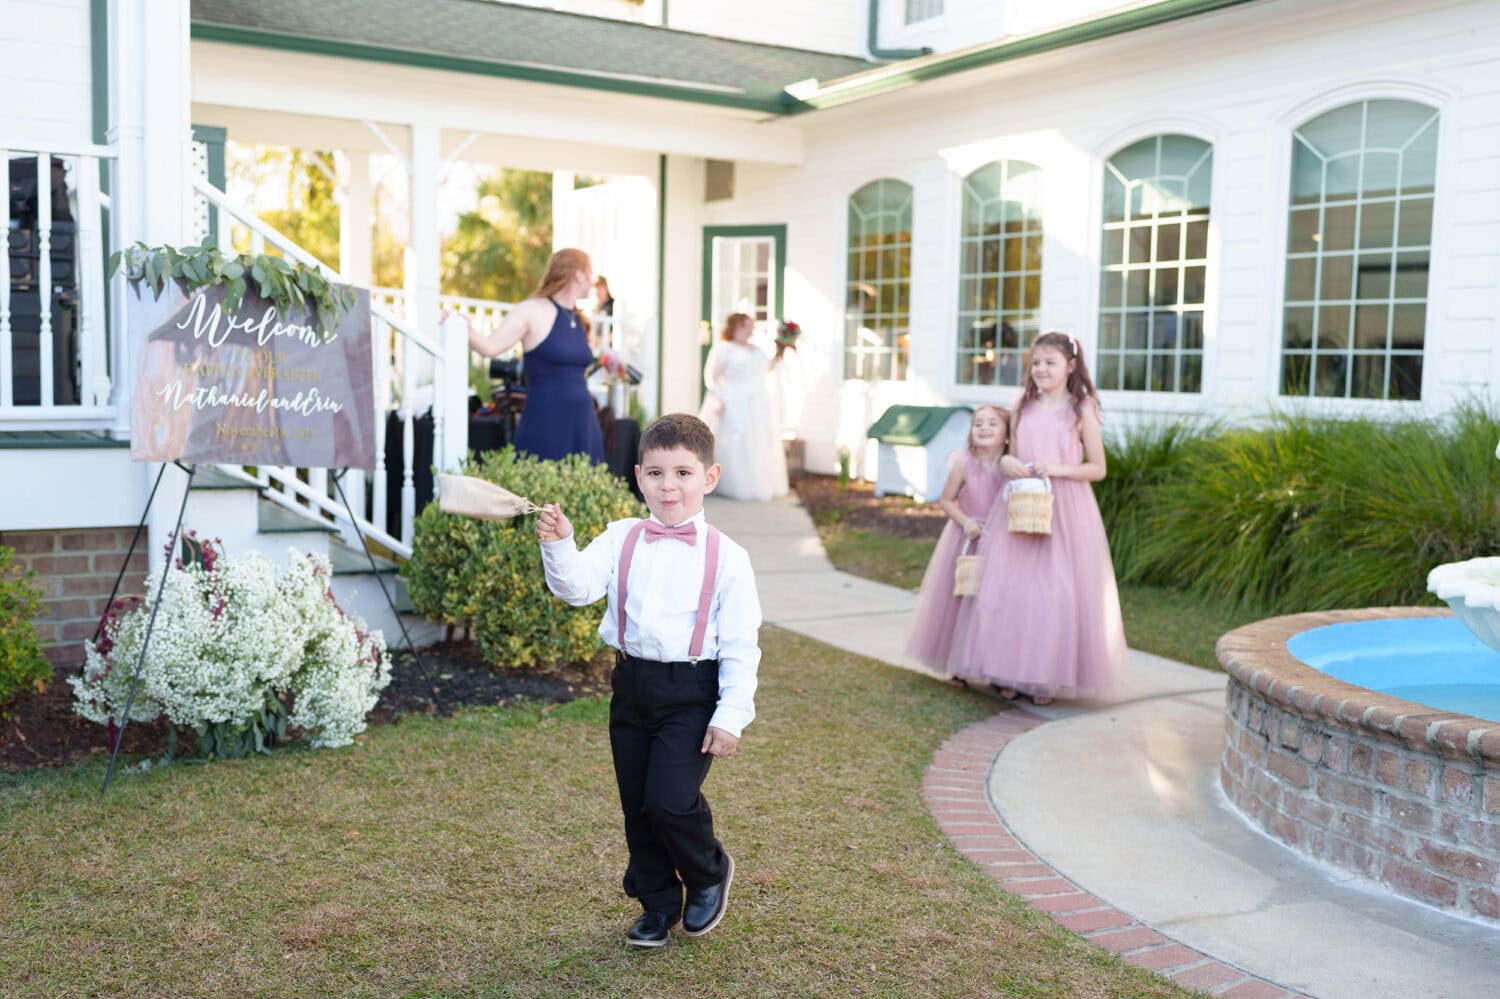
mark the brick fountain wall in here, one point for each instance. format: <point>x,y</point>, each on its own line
<point>1393,791</point>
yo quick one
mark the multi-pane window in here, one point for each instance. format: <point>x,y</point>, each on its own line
<point>1358,249</point>
<point>877,317</point>
<point>1000,279</point>
<point>921,10</point>
<point>1155,265</point>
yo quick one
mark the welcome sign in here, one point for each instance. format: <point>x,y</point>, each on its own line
<point>257,386</point>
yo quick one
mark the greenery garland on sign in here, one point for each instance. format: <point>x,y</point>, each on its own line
<point>287,284</point>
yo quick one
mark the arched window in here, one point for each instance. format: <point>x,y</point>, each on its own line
<point>877,318</point>
<point>1155,265</point>
<point>1358,249</point>
<point>1000,272</point>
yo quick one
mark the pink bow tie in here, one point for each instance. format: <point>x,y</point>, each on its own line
<point>686,532</point>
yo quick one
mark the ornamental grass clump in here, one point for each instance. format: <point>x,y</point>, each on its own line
<point>487,575</point>
<point>1304,512</point>
<point>236,639</point>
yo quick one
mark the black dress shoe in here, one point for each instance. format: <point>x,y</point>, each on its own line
<point>652,929</point>
<point>705,906</point>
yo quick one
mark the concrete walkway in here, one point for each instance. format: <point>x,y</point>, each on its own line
<point>1120,799</point>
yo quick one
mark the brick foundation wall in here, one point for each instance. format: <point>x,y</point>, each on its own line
<point>75,570</point>
<point>1390,790</point>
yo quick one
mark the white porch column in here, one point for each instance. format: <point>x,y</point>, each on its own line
<point>680,365</point>
<point>150,125</point>
<point>426,245</point>
<point>356,236</point>
<point>424,279</point>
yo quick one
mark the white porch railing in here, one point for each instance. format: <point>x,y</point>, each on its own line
<point>485,312</point>
<point>54,360</point>
<point>403,359</point>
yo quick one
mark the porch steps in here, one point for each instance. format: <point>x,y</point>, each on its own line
<point>358,591</point>
<point>227,504</point>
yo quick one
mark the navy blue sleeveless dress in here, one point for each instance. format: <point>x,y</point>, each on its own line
<point>558,418</point>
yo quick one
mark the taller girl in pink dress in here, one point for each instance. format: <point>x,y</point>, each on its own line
<point>969,492</point>
<point>1053,628</point>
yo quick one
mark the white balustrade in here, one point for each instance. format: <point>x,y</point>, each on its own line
<point>83,362</point>
<point>400,354</point>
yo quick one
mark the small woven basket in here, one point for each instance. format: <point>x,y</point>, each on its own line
<point>1028,507</point>
<point>966,570</point>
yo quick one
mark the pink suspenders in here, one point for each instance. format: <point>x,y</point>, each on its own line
<point>705,594</point>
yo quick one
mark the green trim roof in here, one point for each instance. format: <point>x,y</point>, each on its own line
<point>529,43</point>
<point>490,38</point>
<point>877,80</point>
<point>912,425</point>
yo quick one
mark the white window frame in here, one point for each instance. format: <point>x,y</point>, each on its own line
<point>1322,259</point>
<point>1106,177</point>
<point>843,302</point>
<point>917,11</point>
<point>1279,146</point>
<point>954,327</point>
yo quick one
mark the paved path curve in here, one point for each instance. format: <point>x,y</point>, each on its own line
<point>1184,887</point>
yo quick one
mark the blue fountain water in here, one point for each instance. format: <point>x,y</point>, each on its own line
<point>1430,660</point>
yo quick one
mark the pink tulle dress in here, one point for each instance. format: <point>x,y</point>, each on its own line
<point>936,618</point>
<point>1052,625</point>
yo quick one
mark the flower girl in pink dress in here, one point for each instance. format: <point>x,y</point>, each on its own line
<point>973,483</point>
<point>1052,626</point>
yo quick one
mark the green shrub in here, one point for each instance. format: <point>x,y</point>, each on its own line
<point>1140,459</point>
<point>1222,526</point>
<point>1304,513</point>
<point>488,574</point>
<point>1397,500</point>
<point>23,666</point>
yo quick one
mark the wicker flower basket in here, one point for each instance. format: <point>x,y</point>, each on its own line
<point>1028,507</point>
<point>966,570</point>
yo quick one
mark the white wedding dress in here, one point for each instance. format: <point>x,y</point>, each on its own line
<point>746,430</point>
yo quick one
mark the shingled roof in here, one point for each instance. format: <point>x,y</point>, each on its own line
<point>498,39</point>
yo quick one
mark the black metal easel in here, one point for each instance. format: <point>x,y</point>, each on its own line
<point>135,678</point>
<point>338,484</point>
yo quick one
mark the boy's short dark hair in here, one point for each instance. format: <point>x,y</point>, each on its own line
<point>680,430</point>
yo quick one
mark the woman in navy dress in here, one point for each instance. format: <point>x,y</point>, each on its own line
<point>558,418</point>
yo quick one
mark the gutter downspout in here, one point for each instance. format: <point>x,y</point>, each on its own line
<point>876,52</point>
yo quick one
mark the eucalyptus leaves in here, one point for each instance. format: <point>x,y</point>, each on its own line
<point>287,284</point>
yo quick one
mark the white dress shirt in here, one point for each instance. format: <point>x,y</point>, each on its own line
<point>661,605</point>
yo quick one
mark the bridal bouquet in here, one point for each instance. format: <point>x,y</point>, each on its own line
<point>615,368</point>
<point>787,334</point>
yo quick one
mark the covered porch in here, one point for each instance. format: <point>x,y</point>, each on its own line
<point>337,83</point>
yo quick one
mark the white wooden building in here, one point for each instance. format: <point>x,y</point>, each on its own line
<point>1233,204</point>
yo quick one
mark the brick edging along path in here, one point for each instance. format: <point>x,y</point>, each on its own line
<point>956,790</point>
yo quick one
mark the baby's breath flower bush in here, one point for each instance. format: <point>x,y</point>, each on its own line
<point>488,574</point>
<point>23,666</point>
<point>234,638</point>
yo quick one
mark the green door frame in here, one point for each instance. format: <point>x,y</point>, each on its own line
<point>213,137</point>
<point>712,232</point>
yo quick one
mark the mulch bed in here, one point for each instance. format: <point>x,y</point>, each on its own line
<point>43,731</point>
<point>855,505</point>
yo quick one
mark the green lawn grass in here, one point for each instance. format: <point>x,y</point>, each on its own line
<point>481,855</point>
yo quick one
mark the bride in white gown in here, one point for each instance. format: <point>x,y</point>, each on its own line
<point>738,408</point>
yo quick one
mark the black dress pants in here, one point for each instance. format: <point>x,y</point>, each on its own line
<point>657,717</point>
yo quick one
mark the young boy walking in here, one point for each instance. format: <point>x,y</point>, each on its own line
<point>684,617</point>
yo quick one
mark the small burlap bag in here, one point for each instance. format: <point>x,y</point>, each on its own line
<point>472,497</point>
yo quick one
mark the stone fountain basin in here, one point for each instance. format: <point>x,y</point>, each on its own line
<point>1472,589</point>
<point>1397,792</point>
